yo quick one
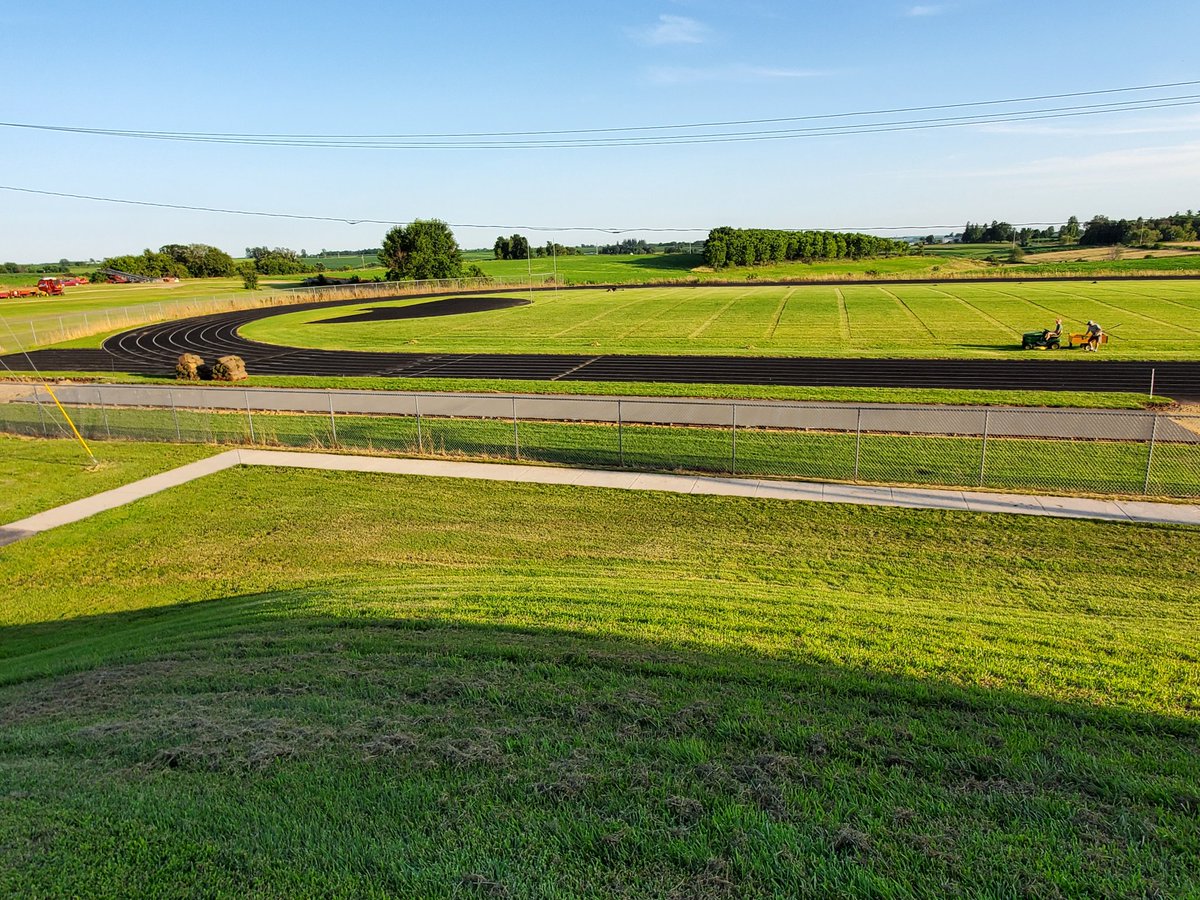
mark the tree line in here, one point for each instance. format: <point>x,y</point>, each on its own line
<point>280,261</point>
<point>1098,231</point>
<point>1102,231</point>
<point>751,246</point>
<point>1004,233</point>
<point>517,247</point>
<point>177,260</point>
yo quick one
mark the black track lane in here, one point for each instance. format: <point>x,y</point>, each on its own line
<point>153,350</point>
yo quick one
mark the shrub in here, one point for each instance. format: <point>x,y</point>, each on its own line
<point>249,277</point>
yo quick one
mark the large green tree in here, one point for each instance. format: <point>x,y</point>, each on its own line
<point>426,248</point>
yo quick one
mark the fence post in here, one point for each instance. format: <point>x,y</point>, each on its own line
<point>857,442</point>
<point>420,438</point>
<point>175,416</point>
<point>33,331</point>
<point>620,436</point>
<point>987,414</point>
<point>516,436</point>
<point>250,417</point>
<point>1150,455</point>
<point>103,412</point>
<point>41,412</point>
<point>1152,371</point>
<point>332,421</point>
<point>733,439</point>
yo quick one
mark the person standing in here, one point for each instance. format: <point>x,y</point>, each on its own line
<point>1094,331</point>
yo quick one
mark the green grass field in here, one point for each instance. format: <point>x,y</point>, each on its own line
<point>300,683</point>
<point>36,475</point>
<point>1148,320</point>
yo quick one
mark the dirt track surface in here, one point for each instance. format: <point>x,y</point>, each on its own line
<point>153,350</point>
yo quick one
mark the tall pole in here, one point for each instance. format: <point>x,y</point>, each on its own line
<point>983,452</point>
<point>1150,455</point>
<point>857,442</point>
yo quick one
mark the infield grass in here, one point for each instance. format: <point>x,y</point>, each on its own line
<point>1147,320</point>
<point>283,682</point>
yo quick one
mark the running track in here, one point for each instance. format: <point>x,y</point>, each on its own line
<point>153,350</point>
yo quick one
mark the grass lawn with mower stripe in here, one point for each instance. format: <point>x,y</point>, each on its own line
<point>280,682</point>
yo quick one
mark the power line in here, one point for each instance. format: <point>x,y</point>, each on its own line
<point>441,143</point>
<point>367,221</point>
<point>736,123</point>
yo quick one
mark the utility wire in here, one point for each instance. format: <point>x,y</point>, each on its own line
<point>270,137</point>
<point>367,221</point>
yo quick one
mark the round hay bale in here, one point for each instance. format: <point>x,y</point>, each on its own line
<point>229,368</point>
<point>187,367</point>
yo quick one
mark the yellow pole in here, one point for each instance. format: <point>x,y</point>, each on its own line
<point>78,436</point>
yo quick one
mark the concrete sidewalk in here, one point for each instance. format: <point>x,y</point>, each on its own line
<point>1136,511</point>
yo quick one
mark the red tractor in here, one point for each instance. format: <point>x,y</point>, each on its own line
<point>51,287</point>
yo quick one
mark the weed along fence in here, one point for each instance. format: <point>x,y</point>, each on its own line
<point>1133,453</point>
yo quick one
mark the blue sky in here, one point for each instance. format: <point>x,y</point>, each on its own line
<point>380,68</point>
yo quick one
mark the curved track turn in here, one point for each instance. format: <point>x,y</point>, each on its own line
<point>153,350</point>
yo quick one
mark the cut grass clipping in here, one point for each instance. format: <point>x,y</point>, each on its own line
<point>330,684</point>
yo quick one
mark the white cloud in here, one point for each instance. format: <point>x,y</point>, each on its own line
<point>737,72</point>
<point>672,30</point>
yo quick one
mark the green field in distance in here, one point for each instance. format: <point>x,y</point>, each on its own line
<point>1147,320</point>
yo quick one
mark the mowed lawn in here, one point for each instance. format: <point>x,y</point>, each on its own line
<point>279,682</point>
<point>36,475</point>
<point>1147,319</point>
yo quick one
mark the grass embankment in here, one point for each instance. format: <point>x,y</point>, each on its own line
<point>1147,320</point>
<point>286,682</point>
<point>36,475</point>
<point>1061,399</point>
<point>1057,466</point>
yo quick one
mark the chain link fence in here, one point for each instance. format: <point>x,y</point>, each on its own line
<point>1131,453</point>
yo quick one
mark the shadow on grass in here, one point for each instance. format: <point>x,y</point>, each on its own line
<point>439,753</point>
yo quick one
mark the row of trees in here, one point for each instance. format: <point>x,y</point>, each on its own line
<point>751,246</point>
<point>517,247</point>
<point>1004,233</point>
<point>279,261</point>
<point>1099,231</point>
<point>178,260</point>
<point>63,265</point>
<point>1102,231</point>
